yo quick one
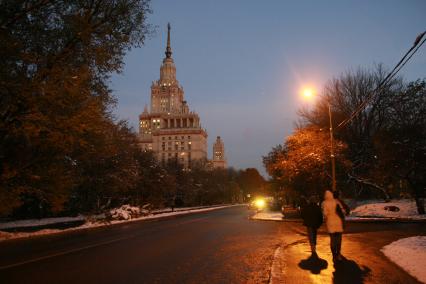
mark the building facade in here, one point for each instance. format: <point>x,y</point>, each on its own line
<point>169,128</point>
<point>219,159</point>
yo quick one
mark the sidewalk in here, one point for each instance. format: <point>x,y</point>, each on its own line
<point>363,262</point>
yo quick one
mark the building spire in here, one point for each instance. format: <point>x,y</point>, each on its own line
<point>168,48</point>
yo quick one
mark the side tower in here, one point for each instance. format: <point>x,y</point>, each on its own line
<point>219,160</point>
<point>169,128</point>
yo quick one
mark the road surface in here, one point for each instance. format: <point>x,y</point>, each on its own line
<point>221,246</point>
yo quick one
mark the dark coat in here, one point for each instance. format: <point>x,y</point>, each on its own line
<point>311,215</point>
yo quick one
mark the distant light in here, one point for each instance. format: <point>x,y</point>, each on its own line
<point>260,203</point>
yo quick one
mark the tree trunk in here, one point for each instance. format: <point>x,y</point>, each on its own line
<point>420,203</point>
<point>418,192</point>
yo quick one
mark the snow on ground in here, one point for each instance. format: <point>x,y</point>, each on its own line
<point>100,223</point>
<point>410,254</point>
<point>39,222</point>
<point>268,215</point>
<point>127,212</point>
<point>407,209</point>
<point>374,211</point>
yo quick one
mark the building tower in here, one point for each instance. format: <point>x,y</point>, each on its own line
<point>219,160</point>
<point>169,128</point>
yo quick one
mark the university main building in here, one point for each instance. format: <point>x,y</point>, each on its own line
<point>169,128</point>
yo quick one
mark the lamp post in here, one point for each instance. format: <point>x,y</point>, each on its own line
<point>333,163</point>
<point>308,94</point>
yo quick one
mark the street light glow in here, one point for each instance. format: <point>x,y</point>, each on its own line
<point>308,94</point>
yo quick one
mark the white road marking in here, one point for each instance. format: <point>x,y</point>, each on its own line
<point>278,267</point>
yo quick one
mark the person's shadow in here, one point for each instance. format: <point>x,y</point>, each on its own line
<point>348,271</point>
<point>313,264</point>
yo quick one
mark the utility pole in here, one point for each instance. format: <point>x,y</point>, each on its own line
<point>333,164</point>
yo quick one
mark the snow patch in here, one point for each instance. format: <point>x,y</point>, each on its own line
<point>373,211</point>
<point>407,209</point>
<point>100,222</point>
<point>267,215</point>
<point>410,254</point>
<point>127,212</point>
<point>39,222</point>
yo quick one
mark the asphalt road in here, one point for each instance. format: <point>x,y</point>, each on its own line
<point>220,246</point>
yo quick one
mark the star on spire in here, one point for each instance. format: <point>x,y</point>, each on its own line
<point>168,48</point>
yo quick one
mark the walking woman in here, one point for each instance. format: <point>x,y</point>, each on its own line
<point>312,219</point>
<point>333,214</point>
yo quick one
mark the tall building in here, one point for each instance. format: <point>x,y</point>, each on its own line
<point>169,128</point>
<point>219,159</point>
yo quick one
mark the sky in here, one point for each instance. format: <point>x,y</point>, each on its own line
<point>242,64</point>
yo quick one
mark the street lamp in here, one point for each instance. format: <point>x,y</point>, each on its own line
<point>333,163</point>
<point>308,95</point>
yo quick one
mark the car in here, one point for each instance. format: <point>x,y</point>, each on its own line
<point>290,211</point>
<point>257,204</point>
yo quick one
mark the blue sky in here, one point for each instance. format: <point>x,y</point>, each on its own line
<point>242,63</point>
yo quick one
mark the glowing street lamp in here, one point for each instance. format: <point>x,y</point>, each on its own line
<point>308,95</point>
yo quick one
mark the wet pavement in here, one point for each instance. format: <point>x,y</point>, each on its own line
<point>362,260</point>
<point>221,246</point>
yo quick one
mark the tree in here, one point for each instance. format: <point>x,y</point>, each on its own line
<point>345,94</point>
<point>401,146</point>
<point>272,161</point>
<point>386,140</point>
<point>54,97</point>
<point>251,182</point>
<point>303,163</point>
<point>108,172</point>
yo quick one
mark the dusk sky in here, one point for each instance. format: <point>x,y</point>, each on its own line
<point>242,63</point>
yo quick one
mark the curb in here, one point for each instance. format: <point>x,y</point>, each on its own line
<point>277,267</point>
<point>59,225</point>
<point>386,220</point>
<point>274,220</point>
<point>364,220</point>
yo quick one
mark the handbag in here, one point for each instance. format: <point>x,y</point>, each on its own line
<point>340,213</point>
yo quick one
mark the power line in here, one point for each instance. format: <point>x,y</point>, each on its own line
<point>382,84</point>
<point>407,56</point>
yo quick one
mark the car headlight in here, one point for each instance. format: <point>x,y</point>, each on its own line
<point>260,203</point>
